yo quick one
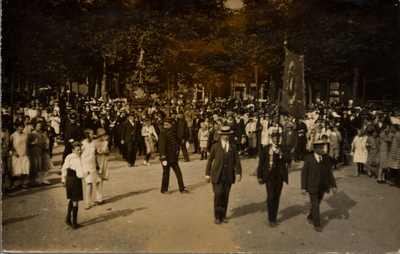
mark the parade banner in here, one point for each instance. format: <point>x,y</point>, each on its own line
<point>293,92</point>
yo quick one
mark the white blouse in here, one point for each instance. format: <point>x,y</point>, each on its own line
<point>73,162</point>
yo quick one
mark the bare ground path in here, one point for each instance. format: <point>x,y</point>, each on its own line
<point>136,217</point>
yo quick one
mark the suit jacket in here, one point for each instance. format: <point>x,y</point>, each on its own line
<point>216,160</point>
<point>129,132</point>
<point>310,175</point>
<point>168,146</point>
<point>264,171</point>
<point>183,131</point>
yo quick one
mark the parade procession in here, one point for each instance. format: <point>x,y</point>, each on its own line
<point>279,119</point>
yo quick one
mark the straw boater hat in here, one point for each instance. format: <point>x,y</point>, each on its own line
<point>100,132</point>
<point>225,130</point>
<point>169,119</point>
<point>319,142</point>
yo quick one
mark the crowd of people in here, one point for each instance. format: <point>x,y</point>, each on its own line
<point>90,128</point>
<point>368,133</point>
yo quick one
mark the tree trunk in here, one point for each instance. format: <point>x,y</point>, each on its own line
<point>104,81</point>
<point>355,83</point>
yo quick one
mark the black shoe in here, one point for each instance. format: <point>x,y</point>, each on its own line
<point>318,229</point>
<point>186,161</point>
<point>68,220</point>
<point>59,173</point>
<point>166,192</point>
<point>217,221</point>
<point>272,224</point>
<point>225,220</point>
<point>185,190</point>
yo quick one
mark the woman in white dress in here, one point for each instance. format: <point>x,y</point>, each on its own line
<point>20,160</point>
<point>150,137</point>
<point>359,151</point>
<point>88,159</point>
<point>102,153</point>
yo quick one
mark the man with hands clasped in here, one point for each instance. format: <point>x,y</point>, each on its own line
<point>223,169</point>
<point>316,179</point>
<point>273,172</point>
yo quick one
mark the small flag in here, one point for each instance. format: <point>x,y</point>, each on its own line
<point>293,92</point>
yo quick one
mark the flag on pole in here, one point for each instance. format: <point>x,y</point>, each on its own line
<point>293,91</point>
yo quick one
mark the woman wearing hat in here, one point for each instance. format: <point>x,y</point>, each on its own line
<point>36,146</point>
<point>88,160</point>
<point>102,152</point>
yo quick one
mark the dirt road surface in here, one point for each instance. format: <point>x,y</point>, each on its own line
<point>362,217</point>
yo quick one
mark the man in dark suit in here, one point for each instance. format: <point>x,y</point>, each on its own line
<point>195,132</point>
<point>289,143</point>
<point>129,139</point>
<point>168,147</point>
<point>73,132</point>
<point>183,135</point>
<point>273,172</point>
<point>316,179</point>
<point>223,168</point>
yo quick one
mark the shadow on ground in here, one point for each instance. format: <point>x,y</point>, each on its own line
<point>112,215</point>
<point>14,220</point>
<point>341,204</point>
<point>248,209</point>
<point>126,195</point>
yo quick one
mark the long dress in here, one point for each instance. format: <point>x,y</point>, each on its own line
<point>373,153</point>
<point>394,155</point>
<point>47,165</point>
<point>55,123</point>
<point>203,138</point>
<point>20,164</point>
<point>384,149</point>
<point>102,158</point>
<point>88,160</point>
<point>359,148</point>
<point>35,151</point>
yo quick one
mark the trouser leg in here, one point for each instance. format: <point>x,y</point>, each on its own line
<point>165,178</point>
<point>178,173</point>
<point>185,151</point>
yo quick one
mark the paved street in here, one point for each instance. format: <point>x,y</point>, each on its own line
<point>362,217</point>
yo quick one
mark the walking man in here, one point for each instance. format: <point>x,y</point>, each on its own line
<point>129,139</point>
<point>316,179</point>
<point>222,166</point>
<point>273,172</point>
<point>168,147</point>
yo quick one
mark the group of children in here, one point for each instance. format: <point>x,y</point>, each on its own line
<point>89,161</point>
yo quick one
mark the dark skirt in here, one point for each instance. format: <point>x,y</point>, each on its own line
<point>73,186</point>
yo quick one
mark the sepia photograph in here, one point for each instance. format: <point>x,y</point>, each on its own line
<point>200,126</point>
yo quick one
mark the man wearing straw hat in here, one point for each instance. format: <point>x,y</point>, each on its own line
<point>223,169</point>
<point>273,172</point>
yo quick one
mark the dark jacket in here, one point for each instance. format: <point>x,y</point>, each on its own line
<point>168,146</point>
<point>216,160</point>
<point>183,131</point>
<point>311,174</point>
<point>129,132</point>
<point>264,171</point>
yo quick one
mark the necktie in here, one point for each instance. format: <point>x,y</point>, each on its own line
<point>320,159</point>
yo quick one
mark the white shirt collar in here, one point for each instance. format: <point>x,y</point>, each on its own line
<point>317,157</point>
